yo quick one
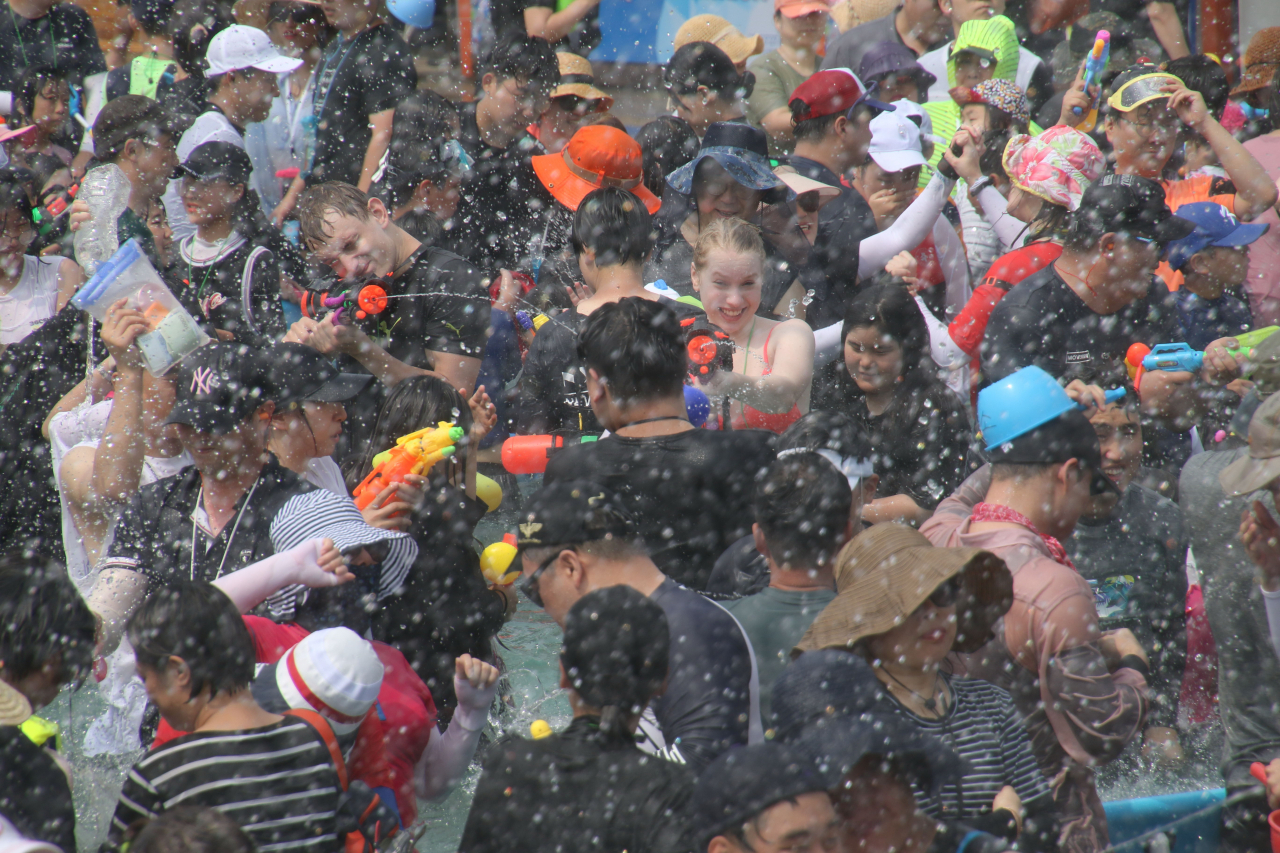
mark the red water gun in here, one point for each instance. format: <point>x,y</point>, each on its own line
<point>708,348</point>
<point>362,302</point>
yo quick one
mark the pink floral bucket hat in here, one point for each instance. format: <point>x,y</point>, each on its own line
<point>1057,165</point>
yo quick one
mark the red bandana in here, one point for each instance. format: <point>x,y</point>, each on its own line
<point>996,512</point>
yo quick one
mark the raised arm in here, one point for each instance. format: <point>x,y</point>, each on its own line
<point>445,760</point>
<point>789,380</point>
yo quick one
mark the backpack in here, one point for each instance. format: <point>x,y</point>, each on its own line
<point>364,821</point>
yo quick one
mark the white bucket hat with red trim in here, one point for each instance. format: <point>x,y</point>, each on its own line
<point>334,672</point>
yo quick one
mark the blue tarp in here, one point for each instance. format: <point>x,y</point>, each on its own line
<point>642,30</point>
<point>1128,819</point>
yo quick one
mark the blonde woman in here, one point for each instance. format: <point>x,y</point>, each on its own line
<point>773,360</point>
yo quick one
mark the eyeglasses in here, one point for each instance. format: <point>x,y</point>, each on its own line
<point>531,585</point>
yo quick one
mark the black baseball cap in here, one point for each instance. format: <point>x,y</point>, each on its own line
<point>827,705</point>
<point>616,648</point>
<point>1128,204</point>
<point>1068,436</point>
<point>742,783</point>
<point>573,512</point>
<point>299,374</point>
<point>215,160</point>
<point>219,386</point>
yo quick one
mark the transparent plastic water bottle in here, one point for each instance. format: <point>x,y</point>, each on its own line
<point>106,191</point>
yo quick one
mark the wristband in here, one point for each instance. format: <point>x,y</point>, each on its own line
<point>980,184</point>
<point>947,170</point>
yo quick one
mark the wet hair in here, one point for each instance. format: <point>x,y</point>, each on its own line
<point>637,347</point>
<point>192,25</point>
<point>130,117</point>
<point>424,124</point>
<point>608,120</point>
<point>826,429</point>
<point>891,310</point>
<point>991,161</point>
<point>806,128</point>
<point>42,616</point>
<point>667,143</point>
<point>1201,74</point>
<point>414,403</point>
<point>802,504</point>
<point>198,623</point>
<point>731,235</point>
<point>319,200</point>
<point>191,829</point>
<point>615,225</point>
<point>18,192</point>
<point>701,63</point>
<point>1053,222</point>
<point>522,57</point>
<point>32,82</point>
<point>153,16</point>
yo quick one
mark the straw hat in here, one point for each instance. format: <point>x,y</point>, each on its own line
<point>889,570</point>
<point>577,78</point>
<point>854,13</point>
<point>14,707</point>
<point>1261,60</point>
<point>722,34</point>
<point>597,156</point>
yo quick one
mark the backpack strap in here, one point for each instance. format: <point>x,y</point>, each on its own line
<point>322,727</point>
<point>246,285</point>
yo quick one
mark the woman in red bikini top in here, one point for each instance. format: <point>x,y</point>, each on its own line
<point>773,361</point>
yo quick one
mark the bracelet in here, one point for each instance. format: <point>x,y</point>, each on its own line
<point>980,184</point>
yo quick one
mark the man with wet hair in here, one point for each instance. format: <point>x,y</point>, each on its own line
<point>576,537</point>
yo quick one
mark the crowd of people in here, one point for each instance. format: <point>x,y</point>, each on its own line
<point>890,427</point>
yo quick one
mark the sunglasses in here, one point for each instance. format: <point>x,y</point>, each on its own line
<point>296,15</point>
<point>531,585</point>
<point>946,594</point>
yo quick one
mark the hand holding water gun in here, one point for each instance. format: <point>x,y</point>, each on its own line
<point>45,218</point>
<point>708,348</point>
<point>1173,357</point>
<point>359,302</point>
<point>414,453</point>
<point>1094,66</point>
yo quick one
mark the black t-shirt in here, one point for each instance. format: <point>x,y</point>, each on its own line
<point>371,73</point>
<point>160,534</point>
<point>583,790</point>
<point>1043,322</point>
<point>921,439</point>
<point>64,38</point>
<point>502,199</point>
<point>1135,560</point>
<point>507,17</point>
<point>35,794</point>
<point>843,223</point>
<point>690,492</point>
<point>448,311</point>
<point>710,698</point>
<point>236,291</point>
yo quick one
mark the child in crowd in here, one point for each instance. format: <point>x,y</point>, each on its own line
<point>32,289</point>
<point>42,102</point>
<point>1207,269</point>
<point>228,277</point>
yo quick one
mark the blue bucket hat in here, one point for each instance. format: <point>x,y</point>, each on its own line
<point>741,149</point>
<point>1215,226</point>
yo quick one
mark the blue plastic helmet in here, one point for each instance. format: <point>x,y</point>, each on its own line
<point>1019,403</point>
<point>415,13</point>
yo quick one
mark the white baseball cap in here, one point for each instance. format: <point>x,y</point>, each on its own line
<point>895,142</point>
<point>239,47</point>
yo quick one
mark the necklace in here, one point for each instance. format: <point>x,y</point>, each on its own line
<point>652,420</point>
<point>930,702</point>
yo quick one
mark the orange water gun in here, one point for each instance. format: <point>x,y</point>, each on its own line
<point>414,453</point>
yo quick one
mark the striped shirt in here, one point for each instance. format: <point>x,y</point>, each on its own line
<point>164,532</point>
<point>985,730</point>
<point>277,783</point>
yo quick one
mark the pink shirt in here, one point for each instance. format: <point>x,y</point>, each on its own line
<point>1263,282</point>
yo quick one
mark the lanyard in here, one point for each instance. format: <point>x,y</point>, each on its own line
<point>293,111</point>
<point>226,549</point>
<point>325,77</point>
<point>53,40</point>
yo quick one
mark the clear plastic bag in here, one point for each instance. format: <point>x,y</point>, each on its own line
<point>128,274</point>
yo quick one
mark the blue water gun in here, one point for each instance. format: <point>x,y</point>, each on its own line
<point>1094,66</point>
<point>1176,357</point>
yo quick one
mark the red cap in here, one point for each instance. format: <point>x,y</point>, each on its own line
<point>834,90</point>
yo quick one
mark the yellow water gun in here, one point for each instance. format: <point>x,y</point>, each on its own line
<point>414,453</point>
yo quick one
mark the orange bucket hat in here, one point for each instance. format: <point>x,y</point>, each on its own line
<point>597,156</point>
